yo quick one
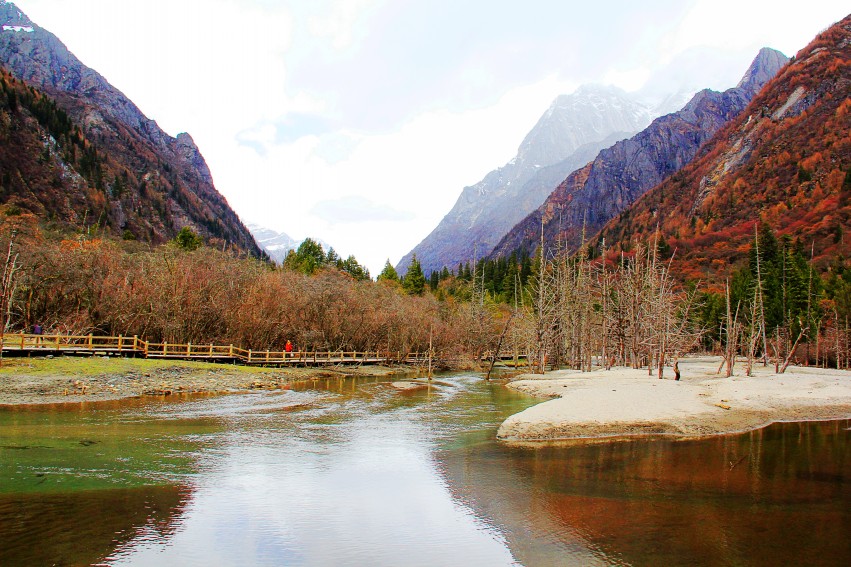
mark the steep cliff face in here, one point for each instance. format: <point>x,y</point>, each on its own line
<point>570,133</point>
<point>784,162</point>
<point>590,197</point>
<point>151,183</point>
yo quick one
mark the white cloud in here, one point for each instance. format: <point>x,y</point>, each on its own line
<point>736,25</point>
<point>338,23</point>
<point>355,209</point>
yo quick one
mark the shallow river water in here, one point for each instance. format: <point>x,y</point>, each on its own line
<point>348,471</point>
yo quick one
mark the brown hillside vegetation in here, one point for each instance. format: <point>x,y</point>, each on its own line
<point>784,161</point>
<point>88,176</point>
<point>82,285</point>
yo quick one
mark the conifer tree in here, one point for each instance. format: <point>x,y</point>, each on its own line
<point>434,279</point>
<point>307,259</point>
<point>414,281</point>
<point>188,240</point>
<point>388,274</point>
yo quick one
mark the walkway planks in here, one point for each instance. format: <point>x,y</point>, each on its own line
<point>20,343</point>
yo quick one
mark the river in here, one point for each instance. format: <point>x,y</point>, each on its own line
<point>349,471</point>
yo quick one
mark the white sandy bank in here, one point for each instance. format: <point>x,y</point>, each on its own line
<point>623,401</point>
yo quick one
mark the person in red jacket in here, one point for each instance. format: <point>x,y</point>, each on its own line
<point>288,348</point>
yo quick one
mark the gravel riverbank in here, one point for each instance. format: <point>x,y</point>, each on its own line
<point>89,379</point>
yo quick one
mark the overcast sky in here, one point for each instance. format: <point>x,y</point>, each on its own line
<point>359,122</point>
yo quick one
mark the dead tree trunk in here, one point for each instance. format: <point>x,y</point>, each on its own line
<point>495,354</point>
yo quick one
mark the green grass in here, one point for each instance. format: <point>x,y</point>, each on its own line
<point>96,365</point>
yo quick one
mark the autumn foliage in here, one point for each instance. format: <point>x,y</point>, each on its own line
<point>168,293</point>
<point>784,162</point>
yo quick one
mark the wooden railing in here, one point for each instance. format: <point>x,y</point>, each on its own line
<point>134,346</point>
<point>94,344</point>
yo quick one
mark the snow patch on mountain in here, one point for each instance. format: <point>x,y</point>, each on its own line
<point>25,29</point>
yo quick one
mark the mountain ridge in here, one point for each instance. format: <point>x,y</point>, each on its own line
<point>569,133</point>
<point>155,184</point>
<point>589,197</point>
<point>784,162</point>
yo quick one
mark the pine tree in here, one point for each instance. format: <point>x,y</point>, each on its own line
<point>307,259</point>
<point>188,240</point>
<point>434,279</point>
<point>351,266</point>
<point>388,274</point>
<point>414,281</point>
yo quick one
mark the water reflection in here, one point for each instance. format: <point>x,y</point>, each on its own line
<point>781,495</point>
<point>81,528</point>
<point>353,472</point>
<point>350,481</point>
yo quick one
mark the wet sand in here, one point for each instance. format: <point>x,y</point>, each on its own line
<point>624,402</point>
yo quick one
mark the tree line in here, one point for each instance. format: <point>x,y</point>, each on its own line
<point>184,291</point>
<point>591,309</point>
<point>633,308</point>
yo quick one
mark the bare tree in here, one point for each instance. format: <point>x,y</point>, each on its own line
<point>7,286</point>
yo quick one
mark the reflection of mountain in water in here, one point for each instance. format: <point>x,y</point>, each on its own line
<point>86,527</point>
<point>769,497</point>
<point>493,481</point>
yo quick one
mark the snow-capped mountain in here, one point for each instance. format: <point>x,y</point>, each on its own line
<point>589,197</point>
<point>275,244</point>
<point>569,134</point>
<point>278,244</point>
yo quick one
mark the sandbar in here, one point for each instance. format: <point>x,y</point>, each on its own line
<point>626,402</point>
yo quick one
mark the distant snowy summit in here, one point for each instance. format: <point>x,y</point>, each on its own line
<point>277,244</point>
<point>568,135</point>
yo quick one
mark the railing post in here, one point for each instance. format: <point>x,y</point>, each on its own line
<point>249,356</point>
<point>211,350</point>
<point>146,348</point>
<point>90,341</point>
<point>230,352</point>
<point>135,343</point>
<point>165,348</point>
<point>22,340</point>
<point>120,342</point>
<point>189,350</point>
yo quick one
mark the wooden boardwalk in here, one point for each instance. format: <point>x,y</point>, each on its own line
<point>22,343</point>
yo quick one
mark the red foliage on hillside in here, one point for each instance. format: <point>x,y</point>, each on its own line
<point>785,161</point>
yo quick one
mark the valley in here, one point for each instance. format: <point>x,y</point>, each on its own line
<point>628,344</point>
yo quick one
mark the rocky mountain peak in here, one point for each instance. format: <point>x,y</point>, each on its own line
<point>570,133</point>
<point>589,197</point>
<point>590,113</point>
<point>11,17</point>
<point>764,66</point>
<point>190,153</point>
<point>154,184</point>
